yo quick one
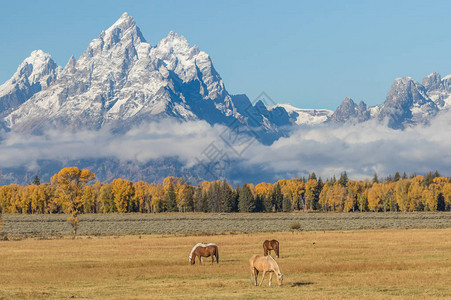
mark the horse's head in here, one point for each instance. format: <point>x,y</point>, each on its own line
<point>279,279</point>
<point>192,260</point>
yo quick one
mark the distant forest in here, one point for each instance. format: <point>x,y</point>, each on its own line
<point>75,191</point>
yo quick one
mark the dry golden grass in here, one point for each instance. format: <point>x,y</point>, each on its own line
<point>375,264</point>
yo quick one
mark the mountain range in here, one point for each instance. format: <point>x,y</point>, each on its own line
<point>121,81</point>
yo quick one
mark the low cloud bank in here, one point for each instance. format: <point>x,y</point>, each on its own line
<point>361,149</point>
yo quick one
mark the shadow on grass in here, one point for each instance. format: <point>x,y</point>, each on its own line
<point>301,284</point>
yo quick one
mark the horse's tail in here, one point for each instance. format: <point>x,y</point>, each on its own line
<point>217,255</point>
<point>265,248</point>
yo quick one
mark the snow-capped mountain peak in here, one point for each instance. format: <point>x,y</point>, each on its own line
<point>121,80</point>
<point>34,74</point>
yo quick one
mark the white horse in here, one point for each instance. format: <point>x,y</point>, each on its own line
<point>264,264</point>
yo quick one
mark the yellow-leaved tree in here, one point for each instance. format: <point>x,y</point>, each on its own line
<point>69,183</point>
<point>123,192</point>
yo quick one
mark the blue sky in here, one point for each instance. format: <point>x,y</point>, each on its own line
<point>311,54</point>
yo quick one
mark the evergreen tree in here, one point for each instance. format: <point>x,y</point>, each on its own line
<point>375,178</point>
<point>227,197</point>
<point>259,204</point>
<point>214,196</point>
<point>246,201</point>
<point>277,197</point>
<point>333,180</point>
<point>36,180</point>
<point>312,176</point>
<point>204,202</point>
<point>171,199</point>
<point>268,204</point>
<point>441,205</point>
<point>235,201</point>
<point>198,199</point>
<point>286,204</point>
<point>397,177</point>
<point>343,179</point>
<point>404,175</point>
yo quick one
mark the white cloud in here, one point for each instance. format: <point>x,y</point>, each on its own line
<point>151,141</point>
<point>360,150</point>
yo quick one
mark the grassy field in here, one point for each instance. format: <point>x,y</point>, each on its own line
<point>371,264</point>
<point>18,226</point>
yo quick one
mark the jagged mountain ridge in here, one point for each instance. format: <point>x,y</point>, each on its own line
<point>121,81</point>
<point>408,103</point>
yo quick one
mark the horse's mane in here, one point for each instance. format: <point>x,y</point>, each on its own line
<point>200,244</point>
<point>275,262</point>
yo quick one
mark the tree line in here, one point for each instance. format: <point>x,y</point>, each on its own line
<point>74,191</point>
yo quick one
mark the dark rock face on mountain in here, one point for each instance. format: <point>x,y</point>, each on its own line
<point>348,111</point>
<point>407,102</point>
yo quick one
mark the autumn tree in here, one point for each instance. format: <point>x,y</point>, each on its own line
<point>123,192</point>
<point>324,197</point>
<point>415,193</point>
<point>142,196</point>
<point>401,194</point>
<point>375,197</point>
<point>106,198</point>
<point>69,183</point>
<point>157,192</point>
<point>185,197</point>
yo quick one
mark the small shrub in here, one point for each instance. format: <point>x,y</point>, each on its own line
<point>295,226</point>
<point>3,237</point>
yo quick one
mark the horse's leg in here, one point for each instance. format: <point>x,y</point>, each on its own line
<point>200,259</point>
<point>263,277</point>
<point>255,276</point>
<point>270,278</point>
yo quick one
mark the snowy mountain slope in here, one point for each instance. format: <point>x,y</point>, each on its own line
<point>438,89</point>
<point>34,74</point>
<point>306,116</point>
<point>121,81</point>
<point>408,103</point>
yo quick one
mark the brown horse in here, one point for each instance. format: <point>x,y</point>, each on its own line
<point>264,264</point>
<point>204,250</point>
<point>271,245</point>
